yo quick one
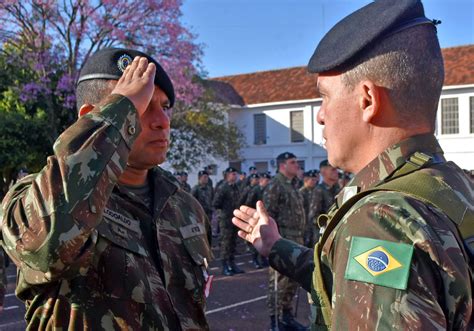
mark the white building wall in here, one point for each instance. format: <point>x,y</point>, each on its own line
<point>459,147</point>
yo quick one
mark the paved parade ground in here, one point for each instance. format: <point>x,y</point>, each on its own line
<point>235,303</point>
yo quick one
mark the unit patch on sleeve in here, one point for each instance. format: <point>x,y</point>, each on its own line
<point>379,262</point>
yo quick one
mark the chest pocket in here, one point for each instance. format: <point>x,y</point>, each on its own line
<point>122,263</point>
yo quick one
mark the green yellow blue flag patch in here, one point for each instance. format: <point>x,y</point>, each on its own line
<point>379,262</point>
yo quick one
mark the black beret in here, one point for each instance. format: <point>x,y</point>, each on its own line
<point>254,176</point>
<point>229,170</point>
<point>265,175</point>
<point>242,173</point>
<point>202,173</point>
<point>184,173</point>
<point>348,39</point>
<point>109,63</point>
<point>286,156</point>
<point>252,168</point>
<point>324,163</point>
<point>311,173</point>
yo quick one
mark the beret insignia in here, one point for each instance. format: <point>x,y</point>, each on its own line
<point>124,61</point>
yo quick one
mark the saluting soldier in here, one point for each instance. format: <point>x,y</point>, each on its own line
<point>102,237</point>
<point>397,249</point>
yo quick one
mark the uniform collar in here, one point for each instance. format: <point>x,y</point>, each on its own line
<point>387,162</point>
<point>284,179</point>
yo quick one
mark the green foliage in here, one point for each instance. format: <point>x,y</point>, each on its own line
<point>202,131</point>
<point>23,139</point>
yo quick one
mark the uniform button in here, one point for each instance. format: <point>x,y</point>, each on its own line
<point>131,130</point>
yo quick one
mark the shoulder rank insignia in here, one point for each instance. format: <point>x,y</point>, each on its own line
<point>379,262</point>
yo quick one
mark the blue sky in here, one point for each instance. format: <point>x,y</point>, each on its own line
<point>242,36</point>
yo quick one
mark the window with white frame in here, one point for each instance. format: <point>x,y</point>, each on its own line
<point>260,129</point>
<point>449,116</point>
<point>261,166</point>
<point>297,126</point>
<point>471,99</point>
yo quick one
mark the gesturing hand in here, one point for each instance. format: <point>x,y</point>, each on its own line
<point>257,227</point>
<point>137,83</point>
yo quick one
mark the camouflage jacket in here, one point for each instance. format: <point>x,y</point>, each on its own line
<point>254,195</point>
<point>91,255</point>
<point>306,194</point>
<point>227,199</point>
<point>203,194</point>
<point>186,187</point>
<point>438,290</point>
<point>245,193</point>
<point>328,195</point>
<point>285,204</point>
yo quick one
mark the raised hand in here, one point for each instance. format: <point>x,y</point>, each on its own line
<point>137,83</point>
<point>257,227</point>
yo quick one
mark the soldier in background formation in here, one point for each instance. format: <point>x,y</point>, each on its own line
<point>311,179</point>
<point>397,250</point>
<point>329,186</point>
<point>102,237</point>
<point>203,193</point>
<point>182,177</point>
<point>225,201</point>
<point>285,204</point>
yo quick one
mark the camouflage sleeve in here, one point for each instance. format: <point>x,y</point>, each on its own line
<point>194,192</point>
<point>244,195</point>
<point>271,198</point>
<point>218,198</point>
<point>294,261</point>
<point>252,198</point>
<point>315,206</point>
<point>49,219</point>
<point>438,293</point>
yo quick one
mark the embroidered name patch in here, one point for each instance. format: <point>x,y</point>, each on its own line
<point>379,262</point>
<point>192,230</point>
<point>123,220</point>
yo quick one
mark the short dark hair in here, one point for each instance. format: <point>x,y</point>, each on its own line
<point>92,91</point>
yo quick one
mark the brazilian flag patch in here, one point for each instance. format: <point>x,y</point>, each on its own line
<point>379,262</point>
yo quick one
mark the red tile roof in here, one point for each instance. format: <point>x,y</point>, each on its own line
<point>297,84</point>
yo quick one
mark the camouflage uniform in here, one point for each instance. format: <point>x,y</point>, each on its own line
<point>91,254</point>
<point>255,194</point>
<point>328,195</point>
<point>285,204</point>
<point>226,200</point>
<point>438,292</point>
<point>186,187</point>
<point>203,194</point>
<point>312,200</point>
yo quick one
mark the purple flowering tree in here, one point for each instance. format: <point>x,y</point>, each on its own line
<point>43,44</point>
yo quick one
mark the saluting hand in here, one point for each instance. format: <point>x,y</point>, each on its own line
<point>257,227</point>
<point>137,83</point>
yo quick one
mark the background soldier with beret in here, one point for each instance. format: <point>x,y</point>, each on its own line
<point>285,204</point>
<point>225,201</point>
<point>203,193</point>
<point>311,179</point>
<point>183,180</point>
<point>102,237</point>
<point>397,249</point>
<point>329,187</point>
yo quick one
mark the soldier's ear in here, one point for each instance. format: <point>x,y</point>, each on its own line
<point>85,109</point>
<point>369,100</point>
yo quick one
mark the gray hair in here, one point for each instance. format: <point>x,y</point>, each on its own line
<point>92,91</point>
<point>409,64</point>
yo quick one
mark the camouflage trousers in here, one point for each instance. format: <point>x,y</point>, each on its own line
<point>286,290</point>
<point>228,238</point>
